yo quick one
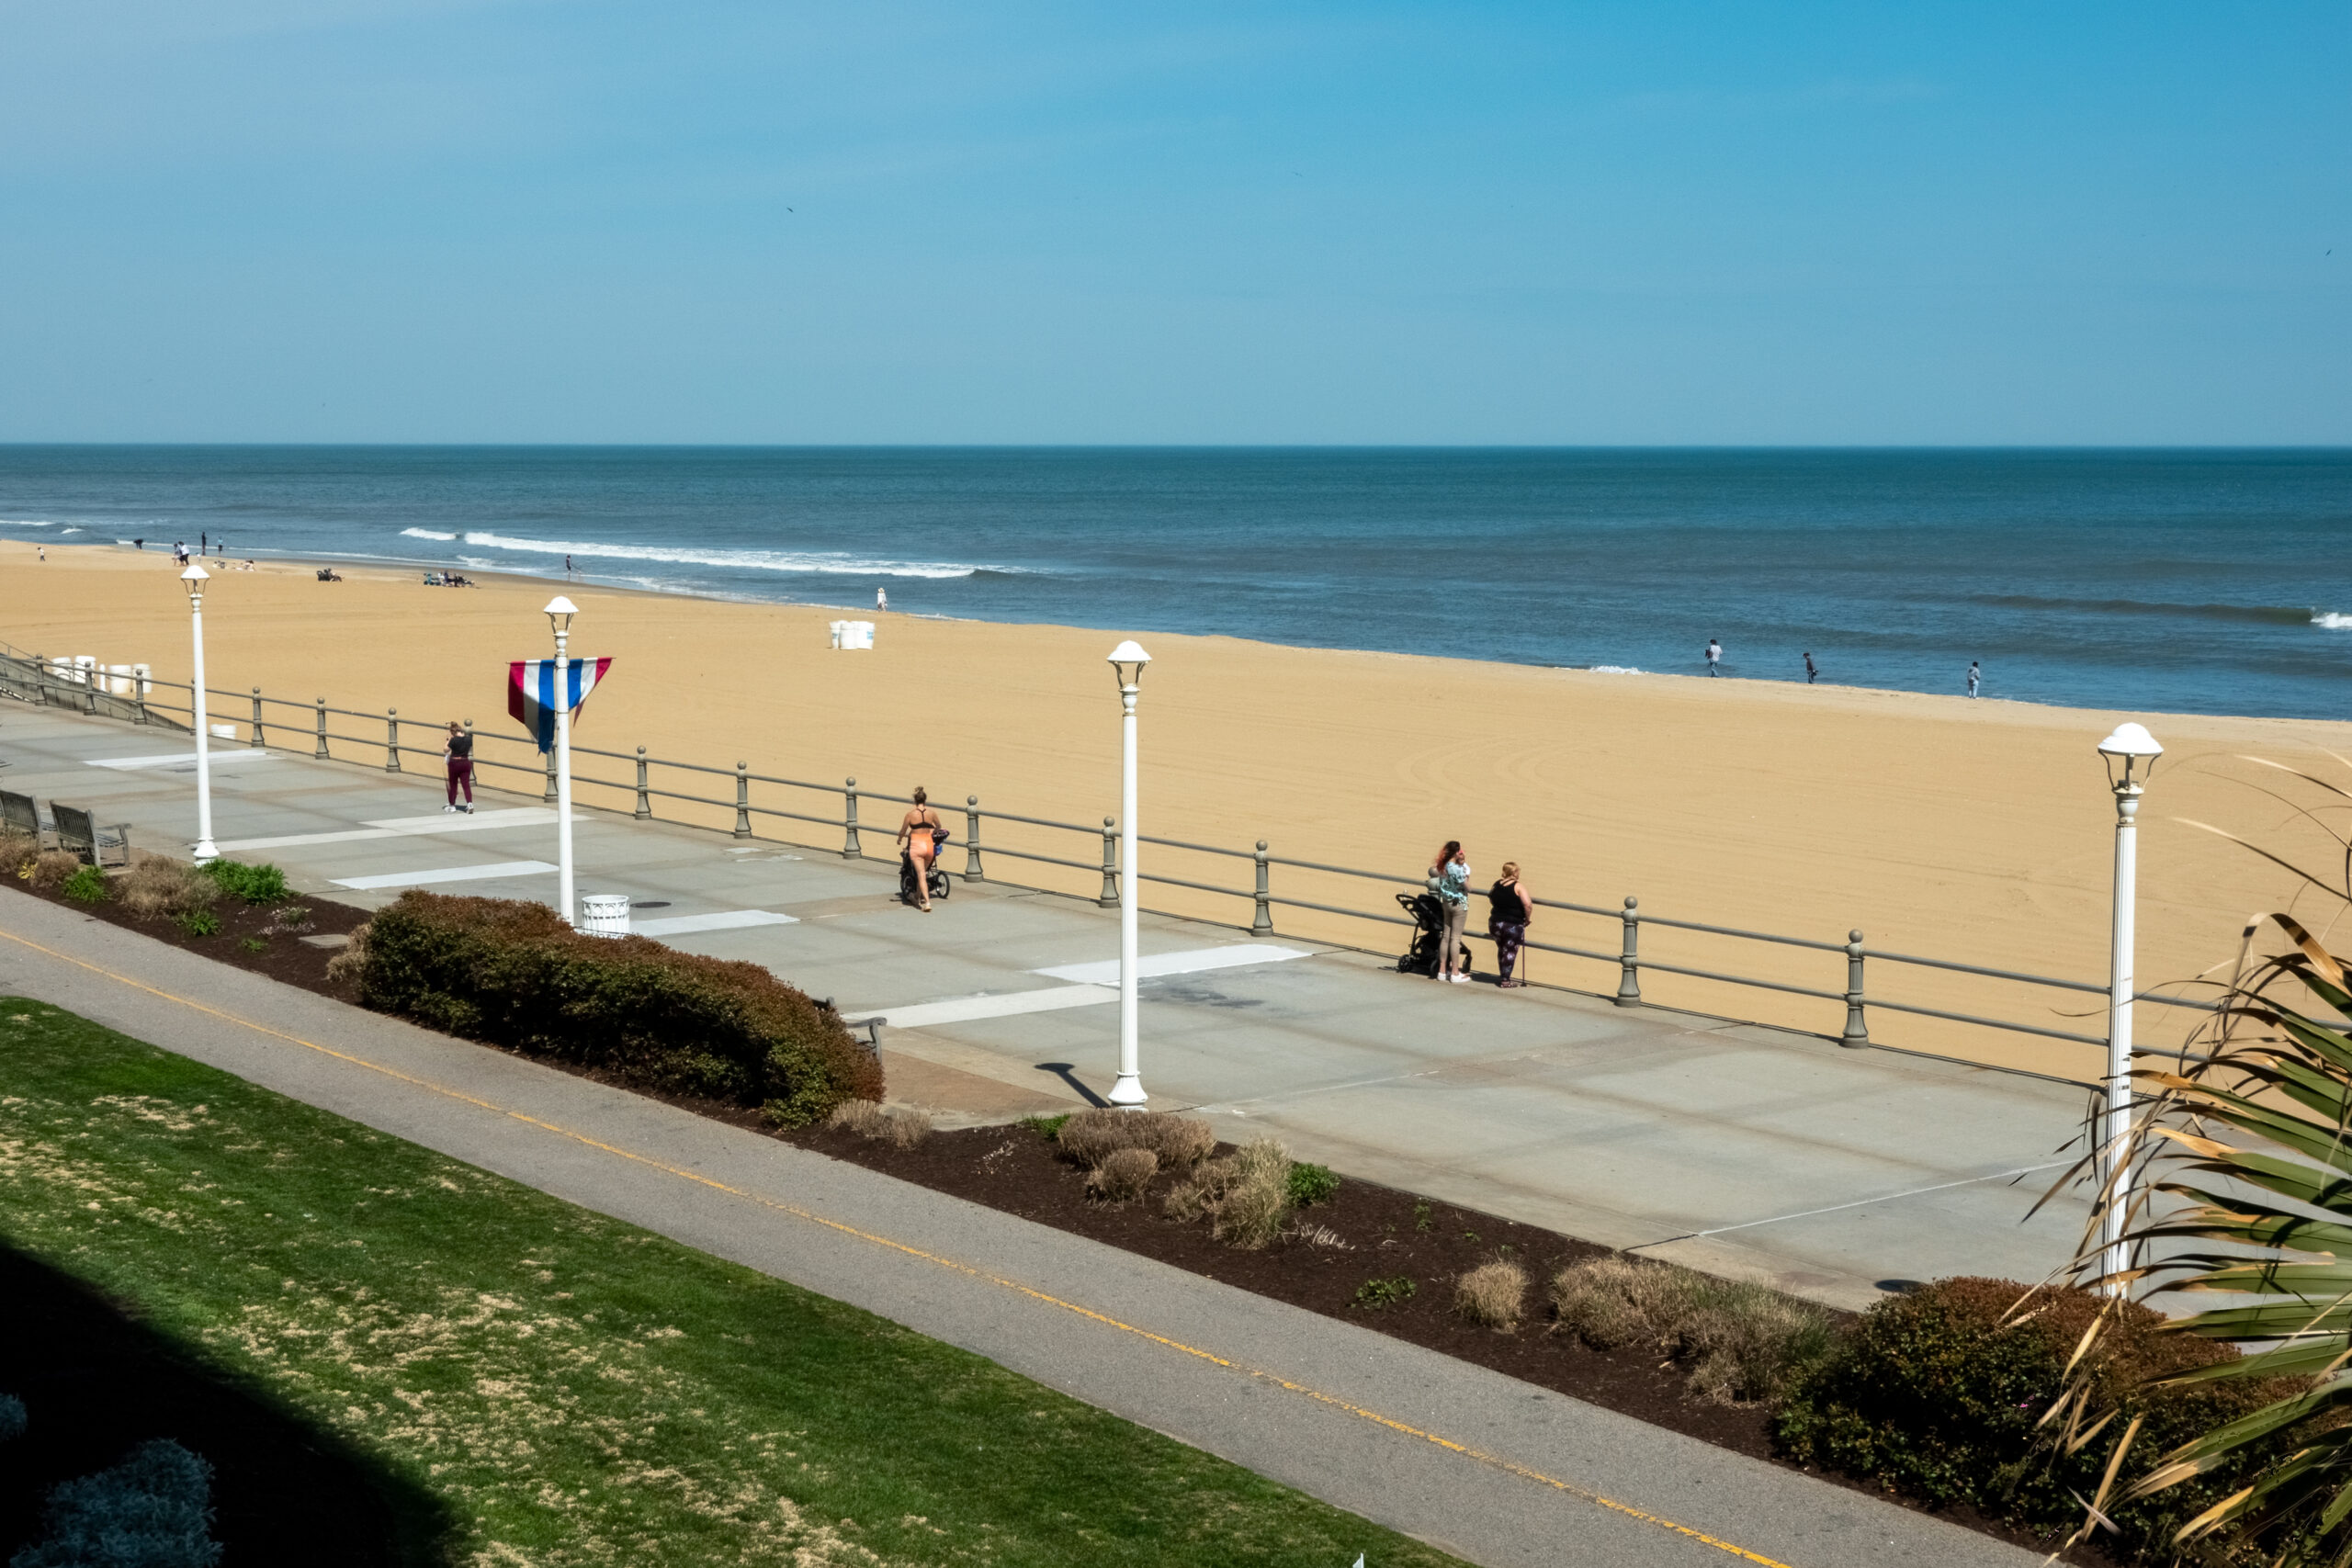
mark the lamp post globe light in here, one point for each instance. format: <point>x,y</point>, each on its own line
<point>193,579</point>
<point>1127,661</point>
<point>560,612</point>
<point>2131,756</point>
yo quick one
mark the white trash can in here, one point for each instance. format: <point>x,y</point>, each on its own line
<point>604,914</point>
<point>222,731</point>
<point>852,634</point>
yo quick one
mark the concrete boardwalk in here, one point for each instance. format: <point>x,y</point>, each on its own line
<point>1743,1150</point>
<point>1496,1471</point>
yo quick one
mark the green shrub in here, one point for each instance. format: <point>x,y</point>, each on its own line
<point>512,974</point>
<point>87,886</point>
<point>1312,1184</point>
<point>1378,1295</point>
<point>153,1509</point>
<point>256,944</point>
<point>1738,1342</point>
<point>199,923</point>
<point>254,883</point>
<point>1049,1127</point>
<point>1934,1395</point>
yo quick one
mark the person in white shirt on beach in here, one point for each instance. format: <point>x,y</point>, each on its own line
<point>1714,655</point>
<point>881,598</point>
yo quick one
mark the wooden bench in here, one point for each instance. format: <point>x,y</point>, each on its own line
<point>79,832</point>
<point>19,815</point>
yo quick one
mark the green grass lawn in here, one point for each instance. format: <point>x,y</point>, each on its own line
<point>573,1390</point>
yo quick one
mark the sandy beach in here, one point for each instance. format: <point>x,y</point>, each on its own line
<point>1975,831</point>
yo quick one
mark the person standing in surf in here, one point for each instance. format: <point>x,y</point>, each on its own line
<point>1974,675</point>
<point>1714,655</point>
<point>1811,674</point>
<point>881,598</point>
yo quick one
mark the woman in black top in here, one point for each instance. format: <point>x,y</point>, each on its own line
<point>1507,921</point>
<point>459,754</point>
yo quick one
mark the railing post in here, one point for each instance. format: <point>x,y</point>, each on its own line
<point>322,749</point>
<point>1629,957</point>
<point>743,800</point>
<point>391,741</point>
<point>257,741</point>
<point>972,839</point>
<point>547,795</point>
<point>644,799</point>
<point>139,696</point>
<point>851,848</point>
<point>41,681</point>
<point>1857,1028</point>
<point>1110,899</point>
<point>1263,922</point>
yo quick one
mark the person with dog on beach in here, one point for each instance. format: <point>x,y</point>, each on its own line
<point>1512,908</point>
<point>1450,880</point>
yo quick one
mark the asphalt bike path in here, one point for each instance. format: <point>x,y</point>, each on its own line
<point>1497,1471</point>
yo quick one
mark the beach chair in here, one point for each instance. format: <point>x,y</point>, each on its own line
<point>77,830</point>
<point>19,815</point>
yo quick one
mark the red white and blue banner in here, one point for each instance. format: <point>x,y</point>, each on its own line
<point>531,692</point>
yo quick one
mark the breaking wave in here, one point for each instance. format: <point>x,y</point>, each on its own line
<point>424,533</point>
<point>823,563</point>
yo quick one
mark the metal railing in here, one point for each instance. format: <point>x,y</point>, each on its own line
<point>773,808</point>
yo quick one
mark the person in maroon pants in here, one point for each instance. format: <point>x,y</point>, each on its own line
<point>459,754</point>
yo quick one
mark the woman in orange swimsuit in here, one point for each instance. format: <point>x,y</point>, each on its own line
<point>919,836</point>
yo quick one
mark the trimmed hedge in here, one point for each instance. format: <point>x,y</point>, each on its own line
<point>512,974</point>
<point>1933,1395</point>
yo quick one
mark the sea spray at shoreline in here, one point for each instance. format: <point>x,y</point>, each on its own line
<point>2139,580</point>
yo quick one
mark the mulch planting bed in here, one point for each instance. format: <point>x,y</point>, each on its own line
<point>281,956</point>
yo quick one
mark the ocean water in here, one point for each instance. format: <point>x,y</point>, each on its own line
<point>2197,581</point>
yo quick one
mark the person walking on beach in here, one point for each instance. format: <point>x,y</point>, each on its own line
<point>1507,921</point>
<point>179,552</point>
<point>457,757</point>
<point>1974,675</point>
<point>1714,655</point>
<point>1811,674</point>
<point>881,598</point>
<point>1450,880</point>
<point>919,834</point>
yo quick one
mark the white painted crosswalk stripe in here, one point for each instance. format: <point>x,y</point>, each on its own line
<point>221,755</point>
<point>964,1010</point>
<point>409,827</point>
<point>1159,964</point>
<point>723,921</point>
<point>448,874</point>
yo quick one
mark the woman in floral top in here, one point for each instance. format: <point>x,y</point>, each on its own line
<point>1451,877</point>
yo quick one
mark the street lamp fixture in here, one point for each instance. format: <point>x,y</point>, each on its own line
<point>193,579</point>
<point>2131,756</point>
<point>1126,662</point>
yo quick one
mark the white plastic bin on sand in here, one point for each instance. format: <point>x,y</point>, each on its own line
<point>604,914</point>
<point>85,666</point>
<point>119,683</point>
<point>852,634</point>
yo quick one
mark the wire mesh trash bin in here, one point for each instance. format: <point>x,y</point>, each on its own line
<point>604,914</point>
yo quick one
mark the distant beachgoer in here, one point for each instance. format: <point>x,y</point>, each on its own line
<point>1811,674</point>
<point>1714,655</point>
<point>1974,675</point>
<point>881,598</point>
<point>1451,875</point>
<point>202,547</point>
<point>457,755</point>
<point>41,550</point>
<point>179,552</point>
<point>919,834</point>
<point>138,544</point>
<point>1507,921</point>
<point>567,566</point>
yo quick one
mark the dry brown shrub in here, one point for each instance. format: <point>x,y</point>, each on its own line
<point>1090,1137</point>
<point>347,966</point>
<point>864,1117</point>
<point>157,886</point>
<point>1739,1341</point>
<point>1493,1293</point>
<point>49,868</point>
<point>1122,1175</point>
<point>1245,1195</point>
<point>17,851</point>
<point>869,1119</point>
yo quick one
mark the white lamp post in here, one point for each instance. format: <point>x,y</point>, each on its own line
<point>193,579</point>
<point>2136,751</point>
<point>1128,661</point>
<point>560,612</point>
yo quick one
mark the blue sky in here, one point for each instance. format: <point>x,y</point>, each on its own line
<point>258,220</point>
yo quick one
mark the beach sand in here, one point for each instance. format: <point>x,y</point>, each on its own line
<point>1975,831</point>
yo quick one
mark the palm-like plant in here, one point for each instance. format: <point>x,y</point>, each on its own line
<point>2243,1167</point>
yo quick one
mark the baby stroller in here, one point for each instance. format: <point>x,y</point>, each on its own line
<point>1428,928</point>
<point>940,885</point>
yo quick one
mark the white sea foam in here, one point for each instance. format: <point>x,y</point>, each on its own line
<point>69,531</point>
<point>23,523</point>
<point>1612,670</point>
<point>2334,620</point>
<point>424,533</point>
<point>828,564</point>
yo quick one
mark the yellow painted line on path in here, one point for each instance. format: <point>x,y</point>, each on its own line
<point>1448,1444</point>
